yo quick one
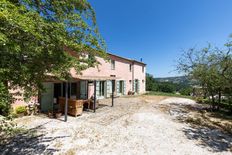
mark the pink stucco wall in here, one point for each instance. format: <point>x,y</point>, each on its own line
<point>90,90</point>
<point>140,74</point>
<point>19,100</point>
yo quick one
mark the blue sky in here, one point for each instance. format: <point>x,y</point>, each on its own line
<point>158,30</point>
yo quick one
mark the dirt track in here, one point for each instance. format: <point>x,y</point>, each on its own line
<point>137,125</point>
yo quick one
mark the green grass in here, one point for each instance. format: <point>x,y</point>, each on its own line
<point>168,94</point>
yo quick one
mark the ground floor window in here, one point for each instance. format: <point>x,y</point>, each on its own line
<point>121,86</point>
<point>72,89</point>
<point>136,86</point>
<point>102,88</point>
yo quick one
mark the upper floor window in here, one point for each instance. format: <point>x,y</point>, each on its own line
<point>130,67</point>
<point>143,69</point>
<point>113,64</point>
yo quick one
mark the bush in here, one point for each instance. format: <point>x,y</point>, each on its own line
<point>186,91</point>
<point>21,110</point>
<point>199,100</point>
<point>166,87</point>
<point>5,100</point>
<point>202,100</point>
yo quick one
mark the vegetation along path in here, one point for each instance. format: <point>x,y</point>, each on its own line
<point>135,125</point>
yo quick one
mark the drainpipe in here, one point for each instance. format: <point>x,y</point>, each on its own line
<point>113,89</point>
<point>133,76</point>
<point>66,102</point>
<point>94,102</point>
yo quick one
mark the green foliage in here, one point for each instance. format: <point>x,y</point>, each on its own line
<point>5,100</point>
<point>168,87</point>
<point>44,37</point>
<point>21,110</point>
<point>8,130</point>
<point>186,91</point>
<point>211,67</point>
<point>151,84</point>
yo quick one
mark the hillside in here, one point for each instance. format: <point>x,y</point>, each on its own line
<point>178,80</point>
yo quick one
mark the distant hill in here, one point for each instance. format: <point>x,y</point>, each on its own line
<point>178,80</point>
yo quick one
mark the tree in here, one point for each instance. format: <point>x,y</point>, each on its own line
<point>211,67</point>
<point>37,37</point>
<point>151,84</point>
<point>166,87</point>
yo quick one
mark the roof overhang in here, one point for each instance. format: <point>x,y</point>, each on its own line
<point>51,78</point>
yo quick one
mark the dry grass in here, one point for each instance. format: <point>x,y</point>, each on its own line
<point>70,152</point>
<point>201,117</point>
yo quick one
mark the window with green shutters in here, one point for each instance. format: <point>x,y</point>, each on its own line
<point>136,85</point>
<point>124,88</point>
<point>109,88</point>
<point>138,90</point>
<point>121,87</point>
<point>97,88</point>
<point>101,88</point>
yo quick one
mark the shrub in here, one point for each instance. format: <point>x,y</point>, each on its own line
<point>199,100</point>
<point>186,91</point>
<point>21,110</point>
<point>5,100</point>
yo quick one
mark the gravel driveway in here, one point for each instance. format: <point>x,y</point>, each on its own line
<point>135,125</point>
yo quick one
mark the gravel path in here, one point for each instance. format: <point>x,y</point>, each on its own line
<point>135,125</point>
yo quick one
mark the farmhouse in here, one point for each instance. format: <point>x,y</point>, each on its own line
<point>119,75</point>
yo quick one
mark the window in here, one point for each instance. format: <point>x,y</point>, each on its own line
<point>102,88</point>
<point>113,64</point>
<point>130,67</point>
<point>136,86</point>
<point>72,89</point>
<point>143,69</point>
<point>121,86</point>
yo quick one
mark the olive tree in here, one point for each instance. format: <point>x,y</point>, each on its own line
<point>37,37</point>
<point>211,67</point>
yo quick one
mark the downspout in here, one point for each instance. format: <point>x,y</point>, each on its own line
<point>133,76</point>
<point>66,102</point>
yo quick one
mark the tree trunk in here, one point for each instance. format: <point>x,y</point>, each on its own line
<point>213,102</point>
<point>219,99</point>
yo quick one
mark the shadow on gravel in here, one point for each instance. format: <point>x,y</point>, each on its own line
<point>29,143</point>
<point>214,139</point>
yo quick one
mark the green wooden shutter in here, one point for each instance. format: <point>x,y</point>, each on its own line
<point>124,89</point>
<point>118,85</point>
<point>138,86</point>
<point>109,88</point>
<point>97,88</point>
<point>133,81</point>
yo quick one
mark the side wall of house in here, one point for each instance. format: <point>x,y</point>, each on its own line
<point>140,75</point>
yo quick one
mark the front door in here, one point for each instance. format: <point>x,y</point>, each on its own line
<point>47,97</point>
<point>83,89</point>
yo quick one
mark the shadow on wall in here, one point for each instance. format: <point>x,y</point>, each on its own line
<point>214,139</point>
<point>29,143</point>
